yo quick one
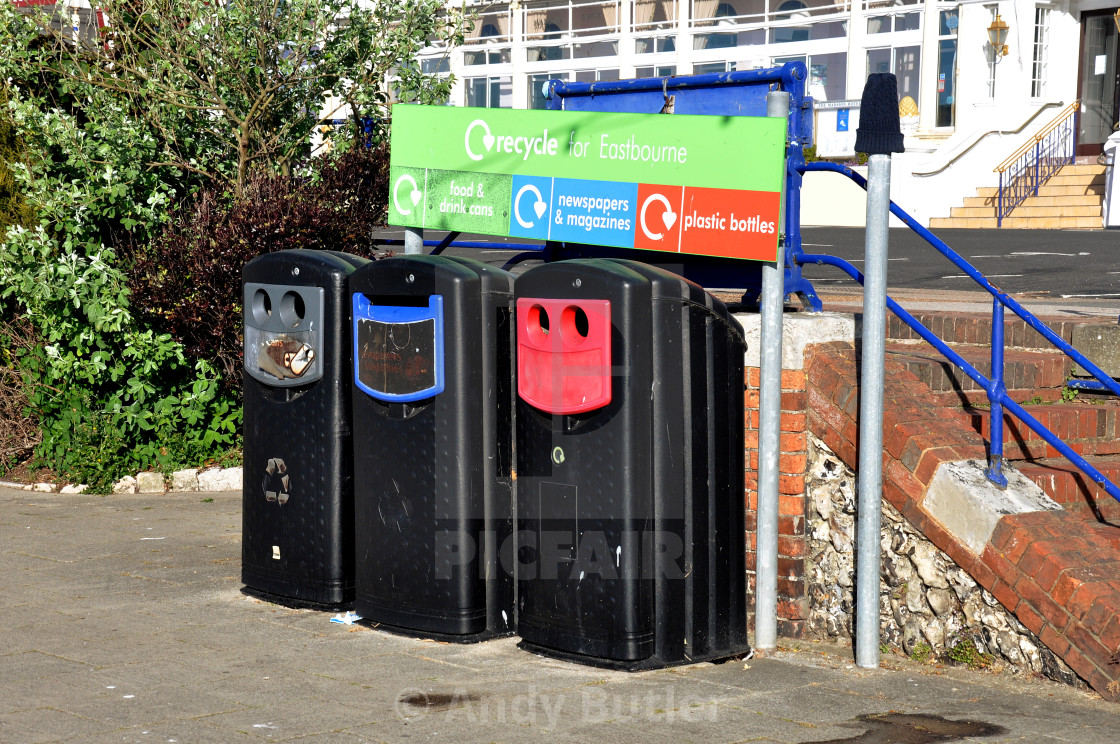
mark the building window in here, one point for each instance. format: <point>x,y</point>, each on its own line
<point>435,65</point>
<point>947,67</point>
<point>538,88</point>
<point>709,67</point>
<point>595,76</point>
<point>661,71</point>
<point>1041,51</point>
<point>571,18</point>
<point>884,24</point>
<point>555,24</point>
<point>654,15</point>
<point>720,15</point>
<point>655,44</point>
<point>489,92</point>
<point>490,37</point>
<point>904,62</point>
<point>788,10</point>
<point>827,76</point>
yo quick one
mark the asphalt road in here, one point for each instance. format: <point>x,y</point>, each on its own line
<point>1044,264</point>
<point>1058,264</point>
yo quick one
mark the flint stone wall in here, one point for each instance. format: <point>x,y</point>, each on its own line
<point>928,605</point>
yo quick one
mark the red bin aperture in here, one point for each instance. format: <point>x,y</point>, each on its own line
<point>564,354</point>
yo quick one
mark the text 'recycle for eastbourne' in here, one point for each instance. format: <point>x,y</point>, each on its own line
<point>707,185</point>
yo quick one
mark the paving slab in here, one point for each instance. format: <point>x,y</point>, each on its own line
<point>112,637</point>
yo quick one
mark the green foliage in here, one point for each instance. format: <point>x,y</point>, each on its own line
<point>14,209</point>
<point>187,283</point>
<point>922,652</point>
<point>1069,394</point>
<point>965,652</point>
<point>244,83</point>
<point>110,138</point>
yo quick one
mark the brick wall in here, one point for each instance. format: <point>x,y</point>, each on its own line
<point>1056,572</point>
<point>793,603</point>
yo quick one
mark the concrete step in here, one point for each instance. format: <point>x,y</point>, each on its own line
<point>1023,371</point>
<point>1036,209</point>
<point>1095,188</point>
<point>1061,179</point>
<point>1073,200</point>
<point>1017,223</point>
<point>1071,488</point>
<point>1082,169</point>
<point>1014,222</point>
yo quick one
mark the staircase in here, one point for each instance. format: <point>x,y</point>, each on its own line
<point>1057,571</point>
<point>1035,377</point>
<point>1070,200</point>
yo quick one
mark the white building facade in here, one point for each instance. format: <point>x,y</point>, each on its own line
<point>974,105</point>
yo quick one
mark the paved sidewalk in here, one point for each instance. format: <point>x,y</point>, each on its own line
<point>123,621</point>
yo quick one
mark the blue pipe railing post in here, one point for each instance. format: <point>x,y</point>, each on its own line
<point>999,203</point>
<point>997,391</point>
<point>1037,151</point>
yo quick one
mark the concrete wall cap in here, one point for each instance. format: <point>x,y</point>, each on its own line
<point>799,330</point>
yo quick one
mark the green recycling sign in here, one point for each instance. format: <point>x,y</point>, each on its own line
<point>694,184</point>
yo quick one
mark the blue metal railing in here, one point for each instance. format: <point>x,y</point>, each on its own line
<point>1029,167</point>
<point>997,393</point>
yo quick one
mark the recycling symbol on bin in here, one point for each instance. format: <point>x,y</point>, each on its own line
<point>276,482</point>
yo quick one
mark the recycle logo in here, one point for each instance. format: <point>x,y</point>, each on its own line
<point>487,138</point>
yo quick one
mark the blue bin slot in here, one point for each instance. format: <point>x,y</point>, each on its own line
<point>398,350</point>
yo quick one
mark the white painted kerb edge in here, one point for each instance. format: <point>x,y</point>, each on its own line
<point>962,499</point>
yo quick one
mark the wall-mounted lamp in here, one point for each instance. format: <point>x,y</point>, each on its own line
<point>997,37</point>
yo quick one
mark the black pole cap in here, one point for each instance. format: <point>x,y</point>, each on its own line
<point>879,131</point>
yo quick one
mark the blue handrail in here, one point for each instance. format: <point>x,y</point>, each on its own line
<point>997,393</point>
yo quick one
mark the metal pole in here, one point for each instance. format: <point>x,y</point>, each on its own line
<point>996,391</point>
<point>413,241</point>
<point>870,506</point>
<point>769,432</point>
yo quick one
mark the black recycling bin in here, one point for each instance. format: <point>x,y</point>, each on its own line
<point>630,467</point>
<point>297,528</point>
<point>432,402</point>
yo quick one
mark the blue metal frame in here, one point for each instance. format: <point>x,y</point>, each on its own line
<point>997,392</point>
